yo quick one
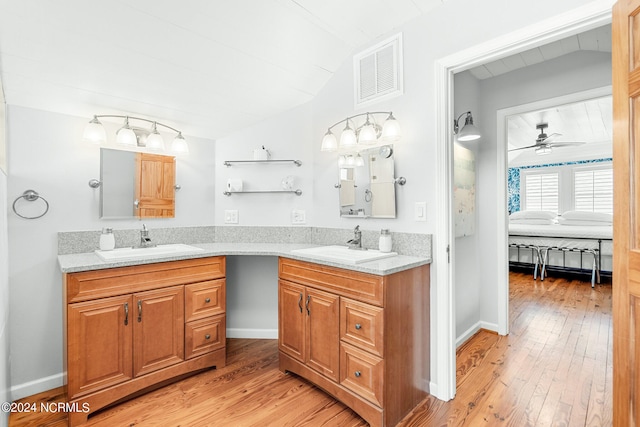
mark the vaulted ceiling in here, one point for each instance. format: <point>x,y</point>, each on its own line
<point>588,122</point>
<point>207,67</point>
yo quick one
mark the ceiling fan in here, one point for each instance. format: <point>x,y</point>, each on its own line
<point>545,143</point>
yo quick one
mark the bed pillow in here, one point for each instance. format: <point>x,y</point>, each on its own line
<point>533,215</point>
<point>588,216</point>
<point>533,221</point>
<point>563,221</point>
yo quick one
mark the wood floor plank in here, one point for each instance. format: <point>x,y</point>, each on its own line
<point>554,368</point>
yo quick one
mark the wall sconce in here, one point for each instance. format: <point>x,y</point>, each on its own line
<point>468,132</point>
<point>127,135</point>
<point>369,133</point>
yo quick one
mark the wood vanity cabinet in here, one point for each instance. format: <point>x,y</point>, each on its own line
<point>360,337</point>
<point>129,329</point>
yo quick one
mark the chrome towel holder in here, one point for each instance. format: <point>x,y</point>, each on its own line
<point>31,196</point>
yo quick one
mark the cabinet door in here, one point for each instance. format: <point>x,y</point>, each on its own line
<point>291,319</point>
<point>99,340</point>
<point>323,337</point>
<point>158,331</point>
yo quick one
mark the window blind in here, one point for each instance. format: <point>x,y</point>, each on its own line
<point>593,190</point>
<point>541,192</point>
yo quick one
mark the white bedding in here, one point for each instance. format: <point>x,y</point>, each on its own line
<point>566,236</point>
<point>558,230</point>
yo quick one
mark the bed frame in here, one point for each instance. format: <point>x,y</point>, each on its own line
<point>541,255</point>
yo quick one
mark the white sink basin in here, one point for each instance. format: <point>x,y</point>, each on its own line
<point>124,253</point>
<point>344,254</point>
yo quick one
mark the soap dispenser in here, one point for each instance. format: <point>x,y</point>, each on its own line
<point>107,240</point>
<point>385,243</point>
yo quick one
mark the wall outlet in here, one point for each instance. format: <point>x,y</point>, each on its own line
<point>298,216</point>
<point>420,211</point>
<point>231,216</point>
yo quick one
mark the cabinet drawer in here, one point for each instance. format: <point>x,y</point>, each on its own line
<point>205,335</point>
<point>362,373</point>
<point>204,299</point>
<point>353,284</point>
<point>362,325</point>
<point>89,285</point>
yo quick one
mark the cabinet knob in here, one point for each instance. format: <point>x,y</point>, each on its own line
<point>207,300</point>
<point>358,326</point>
<point>357,374</point>
<point>206,337</point>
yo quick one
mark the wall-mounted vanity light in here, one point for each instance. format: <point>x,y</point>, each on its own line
<point>468,132</point>
<point>368,133</point>
<point>133,136</point>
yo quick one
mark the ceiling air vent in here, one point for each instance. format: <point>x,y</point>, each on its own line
<point>378,72</point>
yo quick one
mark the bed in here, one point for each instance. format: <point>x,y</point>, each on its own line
<point>577,242</point>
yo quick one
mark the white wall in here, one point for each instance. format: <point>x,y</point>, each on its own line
<point>46,154</point>
<point>287,137</point>
<point>467,281</point>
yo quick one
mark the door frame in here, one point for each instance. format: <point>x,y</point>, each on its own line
<point>443,366</point>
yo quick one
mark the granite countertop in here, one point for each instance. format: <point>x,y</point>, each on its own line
<point>70,263</point>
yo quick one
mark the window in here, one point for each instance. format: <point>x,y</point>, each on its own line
<point>541,192</point>
<point>593,190</point>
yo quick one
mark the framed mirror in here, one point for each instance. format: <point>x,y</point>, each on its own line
<point>367,184</point>
<point>136,185</point>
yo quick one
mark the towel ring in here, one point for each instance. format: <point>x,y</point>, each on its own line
<point>31,196</point>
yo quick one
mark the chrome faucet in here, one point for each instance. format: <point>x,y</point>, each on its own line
<point>145,240</point>
<point>356,242</point>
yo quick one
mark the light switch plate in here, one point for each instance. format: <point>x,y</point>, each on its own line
<point>298,216</point>
<point>420,211</point>
<point>231,216</point>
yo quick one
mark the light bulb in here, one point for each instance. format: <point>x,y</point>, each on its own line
<point>368,134</point>
<point>179,145</point>
<point>329,142</point>
<point>154,140</point>
<point>348,137</point>
<point>391,131</point>
<point>94,132</point>
<point>126,135</point>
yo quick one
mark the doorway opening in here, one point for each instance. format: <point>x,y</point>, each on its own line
<point>444,366</point>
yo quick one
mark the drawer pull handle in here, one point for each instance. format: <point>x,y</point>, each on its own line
<point>126,313</point>
<point>358,374</point>
<point>206,337</point>
<point>207,300</point>
<point>300,302</point>
<point>307,305</point>
<point>139,311</point>
<point>358,326</point>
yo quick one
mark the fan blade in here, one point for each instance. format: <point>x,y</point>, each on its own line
<point>551,137</point>
<point>524,148</point>
<point>565,143</point>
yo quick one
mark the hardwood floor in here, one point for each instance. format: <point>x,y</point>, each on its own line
<point>554,368</point>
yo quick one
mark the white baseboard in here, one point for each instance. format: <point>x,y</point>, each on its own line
<point>43,384</point>
<point>36,386</point>
<point>473,329</point>
<point>252,333</point>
